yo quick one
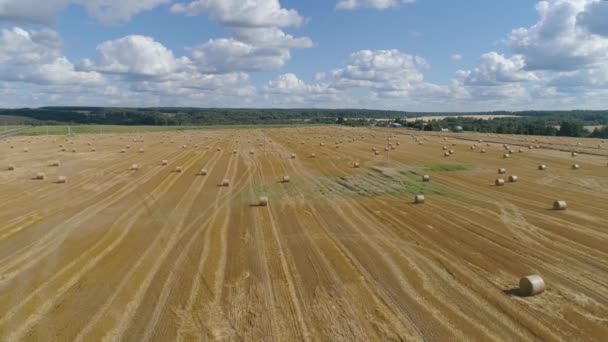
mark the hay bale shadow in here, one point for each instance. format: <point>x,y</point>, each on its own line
<point>514,292</point>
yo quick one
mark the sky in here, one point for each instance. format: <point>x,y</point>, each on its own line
<point>412,55</point>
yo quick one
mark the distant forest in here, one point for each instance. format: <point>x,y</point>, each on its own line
<point>564,123</point>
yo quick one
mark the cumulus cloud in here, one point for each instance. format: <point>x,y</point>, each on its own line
<point>226,55</point>
<point>36,57</point>
<point>557,42</point>
<point>381,75</point>
<point>257,44</point>
<point>496,69</point>
<point>138,56</point>
<point>377,4</point>
<point>238,13</point>
<point>260,49</point>
<point>384,71</point>
<point>105,11</point>
<point>563,54</point>
<point>595,18</point>
<point>146,66</point>
<point>290,84</point>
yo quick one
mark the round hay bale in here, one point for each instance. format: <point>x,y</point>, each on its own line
<point>576,166</point>
<point>451,151</point>
<point>574,154</point>
<point>426,178</point>
<point>446,154</point>
<point>263,202</point>
<point>134,167</point>
<point>62,179</point>
<point>141,150</point>
<point>54,163</point>
<point>123,151</point>
<point>25,149</point>
<point>483,150</point>
<point>321,144</point>
<point>226,182</point>
<point>164,162</point>
<point>499,182</point>
<point>179,169</point>
<point>203,172</point>
<point>445,148</point>
<point>502,171</point>
<point>419,199</point>
<point>218,149</point>
<point>513,179</point>
<point>293,156</point>
<point>40,176</point>
<point>560,205</point>
<point>376,153</point>
<point>11,167</point>
<point>251,152</point>
<point>506,155</point>
<point>374,149</point>
<point>531,285</point>
<point>93,149</point>
<point>542,167</point>
<point>286,179</point>
<point>312,155</point>
<point>73,150</point>
<point>521,150</point>
<point>472,147</point>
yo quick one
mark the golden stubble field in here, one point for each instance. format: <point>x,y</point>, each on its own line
<point>339,254</point>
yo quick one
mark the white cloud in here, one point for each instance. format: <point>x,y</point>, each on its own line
<point>270,37</point>
<point>138,56</point>
<point>259,49</point>
<point>377,4</point>
<point>105,11</point>
<point>389,71</point>
<point>456,57</point>
<point>595,17</point>
<point>291,84</point>
<point>238,13</point>
<point>257,42</point>
<point>36,57</point>
<point>145,66</point>
<point>556,42</point>
<point>371,78</point>
<point>227,55</point>
<point>496,69</point>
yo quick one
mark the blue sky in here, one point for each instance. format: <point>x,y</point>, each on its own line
<point>423,55</point>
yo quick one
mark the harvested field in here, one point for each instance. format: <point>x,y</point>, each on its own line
<point>338,254</point>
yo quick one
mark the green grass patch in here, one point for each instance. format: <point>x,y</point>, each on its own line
<point>252,193</point>
<point>446,167</point>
